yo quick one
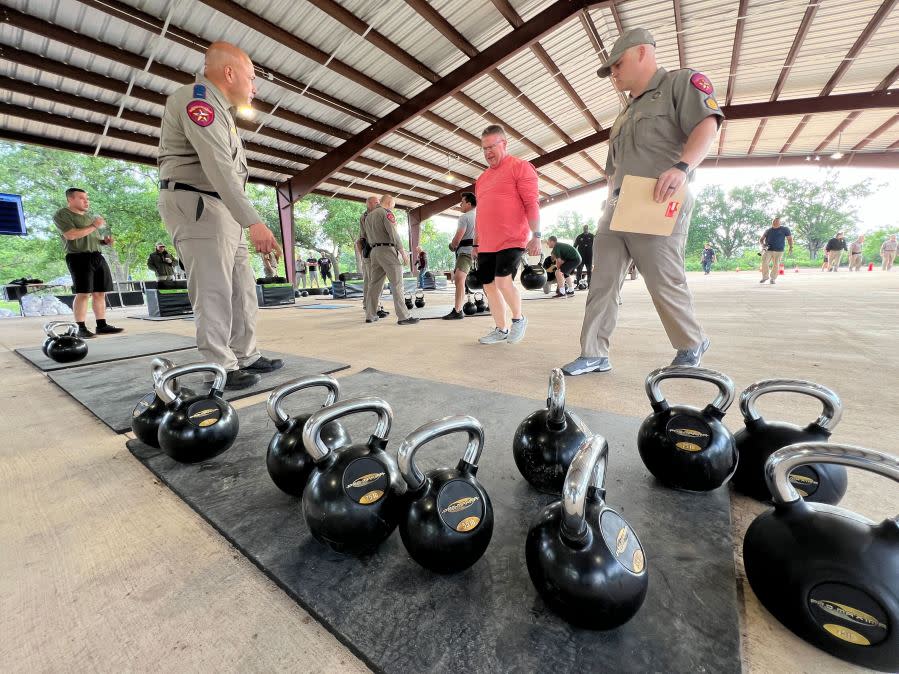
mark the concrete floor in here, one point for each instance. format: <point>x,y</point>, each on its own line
<point>102,568</point>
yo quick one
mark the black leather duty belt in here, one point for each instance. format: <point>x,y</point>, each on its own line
<point>375,245</point>
<point>169,185</point>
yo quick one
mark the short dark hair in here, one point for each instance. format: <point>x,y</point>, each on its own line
<point>470,198</point>
<point>73,190</point>
<point>493,130</point>
<point>553,238</point>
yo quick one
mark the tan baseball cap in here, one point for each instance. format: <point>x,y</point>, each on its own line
<point>631,38</point>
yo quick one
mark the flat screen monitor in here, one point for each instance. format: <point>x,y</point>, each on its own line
<point>12,216</point>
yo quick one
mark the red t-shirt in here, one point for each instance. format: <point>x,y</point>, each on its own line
<point>507,199</point>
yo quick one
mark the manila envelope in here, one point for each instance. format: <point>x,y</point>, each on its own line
<point>637,212</point>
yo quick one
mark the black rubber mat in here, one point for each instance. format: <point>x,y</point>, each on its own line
<point>111,390</point>
<point>398,617</point>
<point>436,312</point>
<point>106,348</point>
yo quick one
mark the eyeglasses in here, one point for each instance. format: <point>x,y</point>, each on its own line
<point>490,147</point>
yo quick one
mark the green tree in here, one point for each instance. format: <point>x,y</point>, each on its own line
<point>731,221</point>
<point>436,244</point>
<point>873,241</point>
<point>568,225</point>
<point>815,210</point>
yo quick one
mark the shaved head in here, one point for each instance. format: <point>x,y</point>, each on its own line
<point>387,201</point>
<point>230,69</point>
<point>371,203</point>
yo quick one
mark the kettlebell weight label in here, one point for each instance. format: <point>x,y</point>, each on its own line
<point>621,541</point>
<point>143,404</point>
<point>846,634</point>
<point>460,506</point>
<point>468,524</point>
<point>687,433</point>
<point>638,561</point>
<point>805,480</point>
<point>365,481</point>
<point>203,415</point>
<point>835,607</point>
<point>371,497</point>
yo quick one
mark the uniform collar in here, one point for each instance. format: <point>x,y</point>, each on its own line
<point>214,92</point>
<point>653,83</point>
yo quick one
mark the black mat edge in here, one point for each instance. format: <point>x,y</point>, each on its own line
<point>78,364</point>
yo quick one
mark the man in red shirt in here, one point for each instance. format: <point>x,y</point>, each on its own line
<point>507,224</point>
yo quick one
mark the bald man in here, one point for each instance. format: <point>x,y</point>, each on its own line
<point>388,257</point>
<point>202,175</point>
<point>363,250</point>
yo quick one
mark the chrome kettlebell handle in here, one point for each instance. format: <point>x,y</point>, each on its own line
<point>420,293</point>
<point>833,406</point>
<point>312,431</point>
<point>158,366</point>
<point>51,328</point>
<point>555,398</point>
<point>587,469</point>
<point>724,383</point>
<point>784,461</point>
<point>165,386</point>
<point>274,405</point>
<point>431,431</point>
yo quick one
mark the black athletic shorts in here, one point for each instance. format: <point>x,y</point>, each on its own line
<point>501,263</point>
<point>568,267</point>
<point>89,272</point>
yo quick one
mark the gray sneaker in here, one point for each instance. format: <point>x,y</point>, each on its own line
<point>691,357</point>
<point>516,332</point>
<point>495,336</point>
<point>583,365</point>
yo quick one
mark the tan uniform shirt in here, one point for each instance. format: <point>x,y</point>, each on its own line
<point>199,146</point>
<point>650,133</point>
<point>889,246</point>
<point>855,248</point>
<point>379,226</point>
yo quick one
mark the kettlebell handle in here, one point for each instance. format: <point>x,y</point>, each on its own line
<point>312,431</point>
<point>784,461</point>
<point>724,383</point>
<point>158,366</point>
<point>588,469</point>
<point>833,406</point>
<point>51,328</point>
<point>431,431</point>
<point>274,405</point>
<point>165,385</point>
<point>555,399</point>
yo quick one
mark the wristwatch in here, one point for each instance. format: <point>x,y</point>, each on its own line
<point>682,166</point>
<point>537,234</point>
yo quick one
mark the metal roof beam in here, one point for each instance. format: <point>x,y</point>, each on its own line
<point>886,126</point>
<point>734,65</point>
<point>499,51</point>
<point>596,40</point>
<point>679,33</point>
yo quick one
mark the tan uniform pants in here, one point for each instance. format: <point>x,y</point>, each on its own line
<point>855,261</point>
<point>366,274</point>
<point>220,281</point>
<point>661,261</point>
<point>771,259</point>
<point>833,259</point>
<point>385,264</point>
<point>888,257</point>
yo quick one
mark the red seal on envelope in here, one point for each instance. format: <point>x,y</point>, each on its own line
<point>673,208</point>
<point>702,83</point>
<point>201,113</point>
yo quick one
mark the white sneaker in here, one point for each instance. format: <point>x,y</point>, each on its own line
<point>516,332</point>
<point>494,337</point>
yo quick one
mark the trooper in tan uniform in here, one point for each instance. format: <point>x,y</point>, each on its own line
<point>855,253</point>
<point>202,174</point>
<point>362,246</point>
<point>888,252</point>
<point>664,132</point>
<point>387,259</point>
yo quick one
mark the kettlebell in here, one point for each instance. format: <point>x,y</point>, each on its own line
<point>685,447</point>
<point>582,285</point>
<point>67,347</point>
<point>353,499</point>
<point>583,557</point>
<point>472,280</point>
<point>760,438</point>
<point>420,299</point>
<point>469,308</point>
<point>195,427</point>
<point>828,574</point>
<point>533,276</point>
<point>304,293</point>
<point>480,304</point>
<point>547,440</point>
<point>149,410</point>
<point>448,518</point>
<point>381,312</point>
<point>408,300</point>
<point>287,461</point>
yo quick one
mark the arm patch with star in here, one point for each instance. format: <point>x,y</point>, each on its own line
<point>200,113</point>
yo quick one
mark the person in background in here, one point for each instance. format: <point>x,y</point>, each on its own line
<point>312,266</point>
<point>324,269</point>
<point>772,242</point>
<point>584,245</point>
<point>566,259</point>
<point>91,278</point>
<point>888,252</point>
<point>162,263</point>
<point>461,246</point>
<point>270,263</point>
<point>834,250</point>
<point>421,263</point>
<point>299,269</point>
<point>855,253</point>
<point>709,257</point>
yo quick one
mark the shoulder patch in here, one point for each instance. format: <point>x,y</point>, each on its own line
<point>711,103</point>
<point>702,83</point>
<point>201,113</point>
<point>199,91</point>
<point>390,217</point>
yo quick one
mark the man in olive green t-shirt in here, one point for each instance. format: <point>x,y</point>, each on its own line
<point>566,259</point>
<point>91,278</point>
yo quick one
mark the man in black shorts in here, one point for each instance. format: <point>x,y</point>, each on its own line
<point>91,279</point>
<point>566,259</point>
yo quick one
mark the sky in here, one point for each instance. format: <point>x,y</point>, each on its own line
<point>878,210</point>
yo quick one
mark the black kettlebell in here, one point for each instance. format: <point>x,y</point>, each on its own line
<point>760,438</point>
<point>304,293</point>
<point>353,499</point>
<point>582,285</point>
<point>480,304</point>
<point>828,574</point>
<point>473,280</point>
<point>381,312</point>
<point>547,440</point>
<point>67,347</point>
<point>420,299</point>
<point>195,427</point>
<point>448,520</point>
<point>469,308</point>
<point>149,410</point>
<point>288,463</point>
<point>583,557</point>
<point>533,276</point>
<point>409,303</point>
<point>685,447</point>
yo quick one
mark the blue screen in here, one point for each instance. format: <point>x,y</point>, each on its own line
<point>12,217</point>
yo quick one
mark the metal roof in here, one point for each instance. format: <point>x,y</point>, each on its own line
<point>329,69</point>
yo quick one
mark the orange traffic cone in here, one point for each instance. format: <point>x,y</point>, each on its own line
<point>796,269</point>
<point>781,270</point>
<point>870,266</point>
